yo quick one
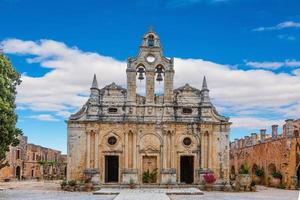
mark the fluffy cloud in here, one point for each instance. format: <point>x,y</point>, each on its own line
<point>245,95</point>
<point>282,25</point>
<point>273,65</point>
<point>44,117</point>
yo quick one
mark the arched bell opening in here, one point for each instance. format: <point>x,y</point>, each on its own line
<point>150,40</point>
<point>159,80</point>
<point>140,80</point>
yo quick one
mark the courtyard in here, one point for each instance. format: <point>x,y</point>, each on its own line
<point>46,190</point>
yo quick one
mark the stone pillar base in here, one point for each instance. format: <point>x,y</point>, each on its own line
<point>130,175</point>
<point>94,174</point>
<point>168,176</point>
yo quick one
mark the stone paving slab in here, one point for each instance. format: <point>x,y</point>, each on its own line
<point>147,193</point>
<point>172,191</point>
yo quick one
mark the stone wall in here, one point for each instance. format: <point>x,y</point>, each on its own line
<point>280,151</point>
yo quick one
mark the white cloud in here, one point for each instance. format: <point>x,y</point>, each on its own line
<point>44,117</point>
<point>249,122</point>
<point>286,37</point>
<point>273,65</point>
<point>282,25</point>
<point>65,88</point>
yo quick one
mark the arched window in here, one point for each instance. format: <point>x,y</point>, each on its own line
<point>140,79</point>
<point>150,40</point>
<point>159,79</point>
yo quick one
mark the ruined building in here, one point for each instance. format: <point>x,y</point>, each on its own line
<point>30,161</point>
<point>118,134</point>
<point>271,152</point>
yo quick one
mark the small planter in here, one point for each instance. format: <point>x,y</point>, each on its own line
<point>257,179</point>
<point>275,182</point>
<point>243,181</point>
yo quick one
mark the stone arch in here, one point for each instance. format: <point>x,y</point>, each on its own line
<point>150,142</point>
<point>271,168</point>
<point>254,168</point>
<point>18,172</point>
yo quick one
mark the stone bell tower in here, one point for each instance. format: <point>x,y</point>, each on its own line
<point>151,65</point>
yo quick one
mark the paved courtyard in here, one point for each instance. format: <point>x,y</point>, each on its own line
<point>28,190</point>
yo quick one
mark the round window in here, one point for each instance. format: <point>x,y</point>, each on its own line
<point>112,140</point>
<point>187,141</point>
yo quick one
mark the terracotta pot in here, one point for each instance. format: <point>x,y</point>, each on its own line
<point>257,179</point>
<point>275,182</point>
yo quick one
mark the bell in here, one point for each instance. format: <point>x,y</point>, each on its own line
<point>159,77</point>
<point>141,76</point>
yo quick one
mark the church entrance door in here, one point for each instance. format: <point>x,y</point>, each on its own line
<point>187,169</point>
<point>111,169</point>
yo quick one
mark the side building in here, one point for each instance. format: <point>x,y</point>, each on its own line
<point>30,161</point>
<point>270,152</point>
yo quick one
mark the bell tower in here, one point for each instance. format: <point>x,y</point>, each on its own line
<point>151,65</point>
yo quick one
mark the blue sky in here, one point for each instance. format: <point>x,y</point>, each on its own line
<point>248,49</point>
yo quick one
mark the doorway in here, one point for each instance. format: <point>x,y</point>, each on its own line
<point>111,169</point>
<point>298,176</point>
<point>187,169</point>
<point>18,172</point>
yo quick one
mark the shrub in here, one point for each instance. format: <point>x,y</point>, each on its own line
<point>282,186</point>
<point>63,184</point>
<point>252,184</point>
<point>72,183</point>
<point>150,177</point>
<point>209,178</point>
<point>277,175</point>
<point>244,169</point>
<point>259,172</point>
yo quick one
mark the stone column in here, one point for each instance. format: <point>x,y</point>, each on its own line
<point>134,153</point>
<point>131,85</point>
<point>88,149</point>
<point>168,86</point>
<point>202,165</point>
<point>126,150</point>
<point>96,150</point>
<point>165,151</point>
<point>150,75</point>
<point>173,156</point>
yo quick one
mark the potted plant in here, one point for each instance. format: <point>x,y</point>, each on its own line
<point>209,180</point>
<point>275,179</point>
<point>243,179</point>
<point>131,183</point>
<point>259,173</point>
<point>150,177</point>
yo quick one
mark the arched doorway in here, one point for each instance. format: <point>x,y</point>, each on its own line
<point>232,173</point>
<point>18,172</point>
<point>298,176</point>
<point>271,169</point>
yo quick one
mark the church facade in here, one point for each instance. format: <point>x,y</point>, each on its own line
<point>119,136</point>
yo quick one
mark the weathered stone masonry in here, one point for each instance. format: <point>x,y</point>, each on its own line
<point>119,134</point>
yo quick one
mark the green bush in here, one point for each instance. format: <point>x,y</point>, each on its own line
<point>63,184</point>
<point>282,186</point>
<point>259,172</point>
<point>277,175</point>
<point>150,177</point>
<point>72,183</point>
<point>244,169</point>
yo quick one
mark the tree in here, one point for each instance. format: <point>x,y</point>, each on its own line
<point>9,80</point>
